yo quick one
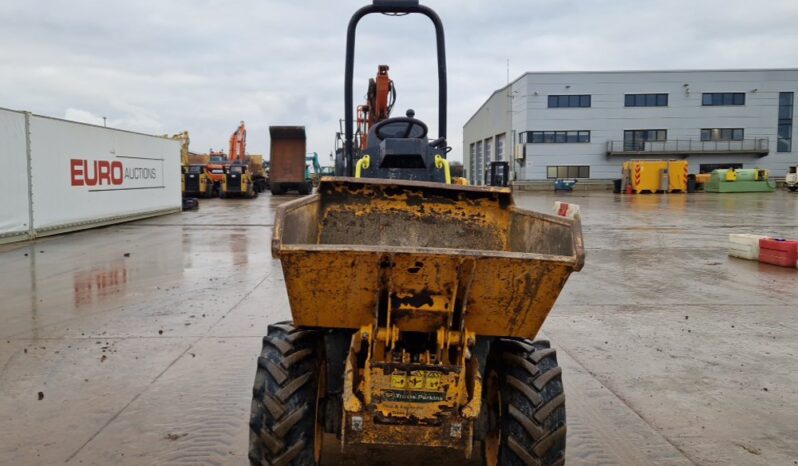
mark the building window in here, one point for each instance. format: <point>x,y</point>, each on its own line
<point>488,146</point>
<point>646,100</point>
<point>635,139</point>
<point>564,101</point>
<point>723,98</point>
<point>722,134</point>
<point>522,137</point>
<point>567,171</point>
<point>784,143</point>
<point>561,137</point>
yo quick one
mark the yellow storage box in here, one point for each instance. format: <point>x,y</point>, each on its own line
<point>654,176</point>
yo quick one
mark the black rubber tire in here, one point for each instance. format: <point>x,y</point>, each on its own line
<point>276,189</point>
<point>532,420</point>
<point>282,425</point>
<point>305,189</point>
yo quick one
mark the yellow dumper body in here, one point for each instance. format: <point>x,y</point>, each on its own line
<point>406,263</point>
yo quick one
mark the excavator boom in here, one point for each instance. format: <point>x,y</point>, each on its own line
<point>238,144</point>
<point>380,97</point>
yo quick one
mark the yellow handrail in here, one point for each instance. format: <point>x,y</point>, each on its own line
<point>440,162</point>
<point>363,163</point>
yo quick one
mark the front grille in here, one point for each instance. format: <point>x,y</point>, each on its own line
<point>234,183</point>
<point>192,183</point>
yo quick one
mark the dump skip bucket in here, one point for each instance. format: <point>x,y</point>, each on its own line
<point>422,250</point>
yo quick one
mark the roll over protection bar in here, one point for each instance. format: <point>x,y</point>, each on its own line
<point>395,7</point>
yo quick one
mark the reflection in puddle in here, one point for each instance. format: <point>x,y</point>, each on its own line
<point>239,246</point>
<point>99,282</point>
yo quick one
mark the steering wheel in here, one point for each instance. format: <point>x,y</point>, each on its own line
<point>401,128</point>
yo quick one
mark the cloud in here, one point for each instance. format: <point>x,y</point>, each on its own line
<point>204,65</point>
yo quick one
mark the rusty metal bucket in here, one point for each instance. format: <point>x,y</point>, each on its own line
<point>430,252</point>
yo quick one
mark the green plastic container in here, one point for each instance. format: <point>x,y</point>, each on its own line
<point>746,174</point>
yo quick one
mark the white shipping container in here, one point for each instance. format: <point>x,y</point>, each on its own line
<point>85,175</point>
<point>15,205</point>
<point>744,246</point>
<point>61,175</point>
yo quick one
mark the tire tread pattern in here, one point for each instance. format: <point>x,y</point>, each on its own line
<point>533,424</point>
<point>282,418</point>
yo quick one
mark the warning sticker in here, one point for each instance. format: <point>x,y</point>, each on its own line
<point>398,381</point>
<point>433,381</point>
<point>416,380</point>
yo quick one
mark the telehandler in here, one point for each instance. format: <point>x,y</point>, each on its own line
<point>414,304</point>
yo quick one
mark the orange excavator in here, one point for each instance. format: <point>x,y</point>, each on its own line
<point>238,144</point>
<point>380,97</point>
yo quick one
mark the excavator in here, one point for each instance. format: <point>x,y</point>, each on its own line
<point>415,304</point>
<point>312,161</point>
<point>239,179</point>
<point>380,99</point>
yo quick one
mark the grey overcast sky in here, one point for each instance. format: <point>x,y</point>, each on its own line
<point>203,65</point>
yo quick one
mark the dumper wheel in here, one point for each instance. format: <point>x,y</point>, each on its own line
<point>526,405</point>
<point>284,428</point>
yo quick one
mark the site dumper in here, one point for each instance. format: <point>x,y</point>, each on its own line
<point>414,303</point>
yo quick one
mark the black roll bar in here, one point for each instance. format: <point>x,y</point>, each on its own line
<point>391,7</point>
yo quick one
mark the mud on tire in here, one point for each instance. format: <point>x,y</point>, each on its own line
<point>531,421</point>
<point>283,429</point>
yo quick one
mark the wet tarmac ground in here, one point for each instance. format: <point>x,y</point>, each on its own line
<point>136,344</point>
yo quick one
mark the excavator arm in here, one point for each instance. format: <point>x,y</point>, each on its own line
<point>380,97</point>
<point>238,144</point>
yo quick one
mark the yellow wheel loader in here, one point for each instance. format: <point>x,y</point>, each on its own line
<point>194,179</point>
<point>237,182</point>
<point>414,303</point>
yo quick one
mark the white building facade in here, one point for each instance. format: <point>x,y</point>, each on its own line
<point>586,124</point>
